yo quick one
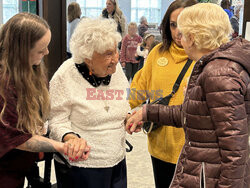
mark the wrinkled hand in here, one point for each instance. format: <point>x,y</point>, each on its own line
<point>127,117</point>
<point>76,149</point>
<point>134,123</point>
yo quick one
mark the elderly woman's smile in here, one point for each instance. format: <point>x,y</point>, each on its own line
<point>103,64</point>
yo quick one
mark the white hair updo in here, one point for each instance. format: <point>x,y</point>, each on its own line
<point>93,35</point>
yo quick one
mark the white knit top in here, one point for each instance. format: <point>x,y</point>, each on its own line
<point>73,109</point>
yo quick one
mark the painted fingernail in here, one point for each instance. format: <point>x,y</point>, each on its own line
<point>65,153</point>
<point>76,158</point>
<point>140,123</point>
<point>130,125</point>
<point>70,159</point>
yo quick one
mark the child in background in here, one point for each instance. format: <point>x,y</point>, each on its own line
<point>153,45</point>
<point>143,49</point>
<point>128,50</point>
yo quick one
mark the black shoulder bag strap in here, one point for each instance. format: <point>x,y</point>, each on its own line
<point>165,100</point>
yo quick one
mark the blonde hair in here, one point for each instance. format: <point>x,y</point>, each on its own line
<point>132,24</point>
<point>115,3</point>
<point>17,38</point>
<point>74,11</point>
<point>208,23</point>
<point>93,35</point>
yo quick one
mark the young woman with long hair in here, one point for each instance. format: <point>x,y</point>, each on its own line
<point>24,97</point>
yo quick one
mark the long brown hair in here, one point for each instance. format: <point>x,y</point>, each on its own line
<point>74,11</point>
<point>17,37</point>
<point>165,24</point>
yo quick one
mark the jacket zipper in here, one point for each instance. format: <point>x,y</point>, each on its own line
<point>202,176</point>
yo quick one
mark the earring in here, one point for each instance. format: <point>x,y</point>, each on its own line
<point>90,73</point>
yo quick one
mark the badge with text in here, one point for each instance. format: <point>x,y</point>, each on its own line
<point>162,61</point>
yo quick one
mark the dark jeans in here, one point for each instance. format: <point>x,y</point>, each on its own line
<point>131,69</point>
<point>163,172</point>
<point>113,177</point>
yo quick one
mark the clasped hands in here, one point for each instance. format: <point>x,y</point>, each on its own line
<point>133,122</point>
<point>76,149</point>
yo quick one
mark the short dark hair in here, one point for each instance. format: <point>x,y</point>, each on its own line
<point>225,4</point>
<point>165,24</point>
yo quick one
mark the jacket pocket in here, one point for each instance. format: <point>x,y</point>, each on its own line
<point>203,176</point>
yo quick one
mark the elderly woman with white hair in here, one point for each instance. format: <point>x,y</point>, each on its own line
<point>88,101</point>
<point>216,110</point>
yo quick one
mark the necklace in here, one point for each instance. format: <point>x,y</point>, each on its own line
<point>106,107</point>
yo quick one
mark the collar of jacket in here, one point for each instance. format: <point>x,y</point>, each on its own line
<point>236,50</point>
<point>105,13</point>
<point>92,79</point>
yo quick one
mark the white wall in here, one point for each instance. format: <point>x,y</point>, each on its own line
<point>125,6</point>
<point>164,6</point>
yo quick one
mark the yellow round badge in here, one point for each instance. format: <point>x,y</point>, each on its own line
<point>162,61</point>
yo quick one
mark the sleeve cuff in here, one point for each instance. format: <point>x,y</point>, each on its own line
<point>70,133</point>
<point>144,113</point>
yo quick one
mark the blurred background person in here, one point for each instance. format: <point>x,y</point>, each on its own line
<point>154,43</point>
<point>113,11</point>
<point>143,49</point>
<point>128,51</point>
<point>88,101</point>
<point>226,5</point>
<point>143,27</point>
<point>235,21</point>
<point>159,73</point>
<point>74,14</point>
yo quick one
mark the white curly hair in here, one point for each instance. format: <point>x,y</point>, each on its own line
<point>93,35</point>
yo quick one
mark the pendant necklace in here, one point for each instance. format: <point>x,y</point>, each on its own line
<point>106,107</point>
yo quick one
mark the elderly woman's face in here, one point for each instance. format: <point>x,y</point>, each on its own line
<point>176,36</point>
<point>185,43</point>
<point>189,47</point>
<point>110,6</point>
<point>104,64</point>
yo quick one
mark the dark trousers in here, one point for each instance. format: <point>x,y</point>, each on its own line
<point>131,69</point>
<point>114,177</point>
<point>141,63</point>
<point>163,172</point>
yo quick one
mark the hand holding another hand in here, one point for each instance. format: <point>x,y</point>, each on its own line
<point>134,122</point>
<point>76,149</point>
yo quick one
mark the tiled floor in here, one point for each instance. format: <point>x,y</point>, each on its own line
<point>139,167</point>
<point>140,172</point>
